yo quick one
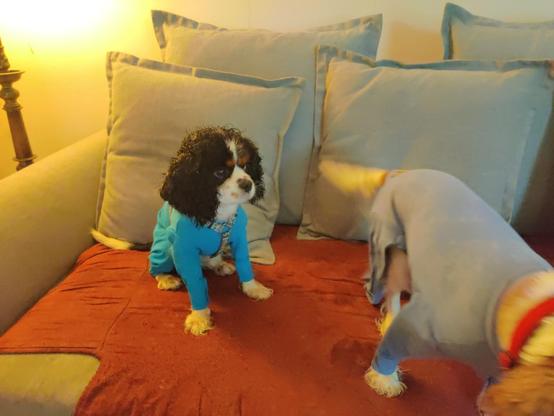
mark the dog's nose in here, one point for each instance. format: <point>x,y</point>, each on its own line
<point>245,184</point>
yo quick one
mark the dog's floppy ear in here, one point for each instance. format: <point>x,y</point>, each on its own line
<point>525,390</point>
<point>186,188</point>
<point>248,151</point>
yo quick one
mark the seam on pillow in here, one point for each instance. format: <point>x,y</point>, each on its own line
<point>512,177</point>
<point>371,21</point>
<point>513,184</point>
<point>101,185</point>
<point>199,72</point>
<point>465,16</point>
<point>450,10</point>
<point>324,55</point>
<point>525,147</point>
<point>280,144</point>
<point>161,18</point>
<point>102,181</point>
<point>454,12</point>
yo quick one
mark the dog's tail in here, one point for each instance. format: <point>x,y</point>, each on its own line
<point>116,243</point>
<point>354,179</point>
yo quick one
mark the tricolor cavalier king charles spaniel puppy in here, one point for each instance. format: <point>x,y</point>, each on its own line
<point>216,169</point>
<point>478,293</point>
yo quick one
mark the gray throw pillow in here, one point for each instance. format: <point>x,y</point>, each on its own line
<point>468,36</point>
<point>472,119</point>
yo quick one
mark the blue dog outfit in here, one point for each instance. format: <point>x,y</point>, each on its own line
<point>462,256</point>
<point>179,243</point>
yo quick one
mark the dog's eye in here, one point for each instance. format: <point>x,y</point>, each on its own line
<point>220,173</point>
<point>243,160</point>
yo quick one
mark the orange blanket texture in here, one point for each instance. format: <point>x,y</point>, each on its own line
<point>303,352</point>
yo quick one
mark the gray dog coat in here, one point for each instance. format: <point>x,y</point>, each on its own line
<point>462,255</point>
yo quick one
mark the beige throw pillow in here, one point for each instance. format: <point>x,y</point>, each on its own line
<point>269,54</point>
<point>153,105</point>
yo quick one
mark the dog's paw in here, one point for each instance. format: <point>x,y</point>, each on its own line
<point>388,386</point>
<point>168,282</point>
<point>255,290</point>
<point>199,322</point>
<point>224,269</point>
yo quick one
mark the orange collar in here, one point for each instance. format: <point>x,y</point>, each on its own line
<point>524,329</point>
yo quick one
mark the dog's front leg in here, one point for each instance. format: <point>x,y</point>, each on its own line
<point>198,322</point>
<point>255,290</point>
<point>188,265</point>
<point>248,284</point>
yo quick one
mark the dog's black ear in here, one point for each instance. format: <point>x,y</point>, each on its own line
<point>247,150</point>
<point>186,188</point>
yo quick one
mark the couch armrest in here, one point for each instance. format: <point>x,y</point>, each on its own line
<point>46,212</point>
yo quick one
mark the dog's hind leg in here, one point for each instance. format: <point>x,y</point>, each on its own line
<point>390,311</point>
<point>255,290</point>
<point>169,282</point>
<point>384,374</point>
<point>398,280</point>
<point>218,265</point>
<point>407,337</point>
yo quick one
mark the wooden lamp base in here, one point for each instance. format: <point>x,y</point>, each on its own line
<point>23,153</point>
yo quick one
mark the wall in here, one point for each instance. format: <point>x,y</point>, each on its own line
<point>61,45</point>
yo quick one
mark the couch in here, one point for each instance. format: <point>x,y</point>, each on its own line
<point>303,352</point>
<point>84,330</point>
<point>40,208</point>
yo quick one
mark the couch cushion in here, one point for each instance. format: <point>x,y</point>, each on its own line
<point>270,55</point>
<point>153,105</point>
<point>468,36</point>
<point>43,384</point>
<point>475,120</point>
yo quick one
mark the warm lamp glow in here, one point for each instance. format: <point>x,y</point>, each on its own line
<point>61,46</point>
<point>33,19</point>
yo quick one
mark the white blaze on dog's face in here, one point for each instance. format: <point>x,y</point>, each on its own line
<point>239,186</point>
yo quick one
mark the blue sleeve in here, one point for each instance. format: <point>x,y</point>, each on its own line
<point>187,262</point>
<point>239,247</point>
<point>160,256</point>
<point>384,362</point>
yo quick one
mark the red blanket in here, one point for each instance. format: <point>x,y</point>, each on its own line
<point>303,352</point>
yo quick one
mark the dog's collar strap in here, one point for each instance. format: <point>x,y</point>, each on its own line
<point>224,229</point>
<point>222,226</point>
<point>523,332</point>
